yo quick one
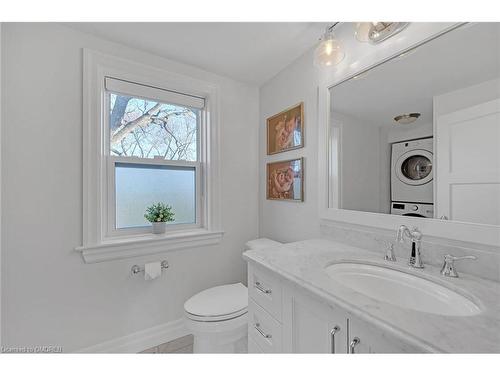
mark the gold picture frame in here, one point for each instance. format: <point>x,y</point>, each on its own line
<point>285,130</point>
<point>285,180</point>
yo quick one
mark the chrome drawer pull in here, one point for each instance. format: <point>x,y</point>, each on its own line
<point>355,341</point>
<point>332,337</point>
<point>265,335</point>
<point>259,287</point>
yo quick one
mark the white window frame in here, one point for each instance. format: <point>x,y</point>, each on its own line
<point>110,213</point>
<point>101,240</point>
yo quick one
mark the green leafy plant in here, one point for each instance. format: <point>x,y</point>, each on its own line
<point>159,212</point>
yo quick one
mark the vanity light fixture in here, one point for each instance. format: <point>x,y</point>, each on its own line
<point>377,32</point>
<point>363,31</point>
<point>329,51</point>
<point>407,118</point>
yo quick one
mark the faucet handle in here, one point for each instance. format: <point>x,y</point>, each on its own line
<point>449,264</point>
<point>453,258</point>
<point>389,253</point>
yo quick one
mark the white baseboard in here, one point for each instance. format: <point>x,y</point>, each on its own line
<point>142,340</point>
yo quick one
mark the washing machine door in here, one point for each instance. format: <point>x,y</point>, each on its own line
<point>412,214</point>
<point>414,167</point>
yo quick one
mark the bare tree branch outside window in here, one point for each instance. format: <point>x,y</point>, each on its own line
<point>145,128</point>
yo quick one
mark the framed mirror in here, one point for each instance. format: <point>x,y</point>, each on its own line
<point>419,134</point>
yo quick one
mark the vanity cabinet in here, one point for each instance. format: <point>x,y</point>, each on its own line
<point>284,318</point>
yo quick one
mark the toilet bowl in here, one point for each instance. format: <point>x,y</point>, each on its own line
<point>217,317</point>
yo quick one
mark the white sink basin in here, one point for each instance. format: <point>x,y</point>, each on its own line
<point>402,289</point>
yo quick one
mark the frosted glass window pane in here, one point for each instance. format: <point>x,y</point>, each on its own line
<point>138,186</point>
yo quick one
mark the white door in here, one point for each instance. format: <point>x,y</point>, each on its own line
<point>468,164</point>
<point>365,338</point>
<point>310,326</point>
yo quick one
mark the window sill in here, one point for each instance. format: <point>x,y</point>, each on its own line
<point>147,244</point>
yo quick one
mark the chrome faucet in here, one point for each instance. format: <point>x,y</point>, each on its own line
<point>415,236</point>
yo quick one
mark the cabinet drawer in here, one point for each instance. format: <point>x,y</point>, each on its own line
<point>266,290</point>
<point>263,329</point>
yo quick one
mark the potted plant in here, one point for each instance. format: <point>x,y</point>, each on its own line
<point>158,215</point>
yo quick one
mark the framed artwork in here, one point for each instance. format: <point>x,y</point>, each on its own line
<point>285,180</point>
<point>285,131</point>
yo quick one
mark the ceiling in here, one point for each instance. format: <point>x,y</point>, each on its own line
<point>247,51</point>
<point>464,57</point>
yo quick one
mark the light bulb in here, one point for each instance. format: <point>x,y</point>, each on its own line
<point>329,51</point>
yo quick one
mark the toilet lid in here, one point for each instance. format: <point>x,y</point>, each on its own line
<point>220,302</point>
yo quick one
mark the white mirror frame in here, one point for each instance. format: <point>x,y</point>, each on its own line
<point>415,35</point>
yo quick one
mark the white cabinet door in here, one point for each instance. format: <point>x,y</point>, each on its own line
<point>371,339</point>
<point>308,325</point>
<point>468,164</point>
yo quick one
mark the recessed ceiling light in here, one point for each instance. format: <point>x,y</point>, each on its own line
<point>407,118</point>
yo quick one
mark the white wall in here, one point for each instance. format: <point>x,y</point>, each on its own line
<point>1,115</point>
<point>466,97</point>
<point>359,163</point>
<point>280,220</point>
<point>401,133</point>
<point>50,297</point>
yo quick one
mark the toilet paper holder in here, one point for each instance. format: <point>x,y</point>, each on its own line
<point>136,269</point>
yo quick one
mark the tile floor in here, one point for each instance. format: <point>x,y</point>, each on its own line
<point>181,345</point>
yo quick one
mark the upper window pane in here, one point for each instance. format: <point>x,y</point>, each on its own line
<point>147,129</point>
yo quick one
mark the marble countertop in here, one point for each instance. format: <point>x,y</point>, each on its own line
<point>303,263</point>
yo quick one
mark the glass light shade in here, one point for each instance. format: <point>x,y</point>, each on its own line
<point>377,32</point>
<point>329,52</point>
<point>362,32</point>
<point>407,118</point>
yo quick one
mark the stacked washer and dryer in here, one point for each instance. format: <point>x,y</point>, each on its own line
<point>412,192</point>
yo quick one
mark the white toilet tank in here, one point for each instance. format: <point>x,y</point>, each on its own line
<point>217,317</point>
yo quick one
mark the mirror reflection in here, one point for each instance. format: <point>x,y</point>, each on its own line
<point>419,135</point>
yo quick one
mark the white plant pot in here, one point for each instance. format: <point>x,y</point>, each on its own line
<point>159,227</point>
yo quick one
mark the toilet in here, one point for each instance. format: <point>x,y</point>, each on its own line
<point>217,317</point>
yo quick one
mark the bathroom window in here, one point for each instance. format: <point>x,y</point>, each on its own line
<point>149,136</point>
<point>153,151</point>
